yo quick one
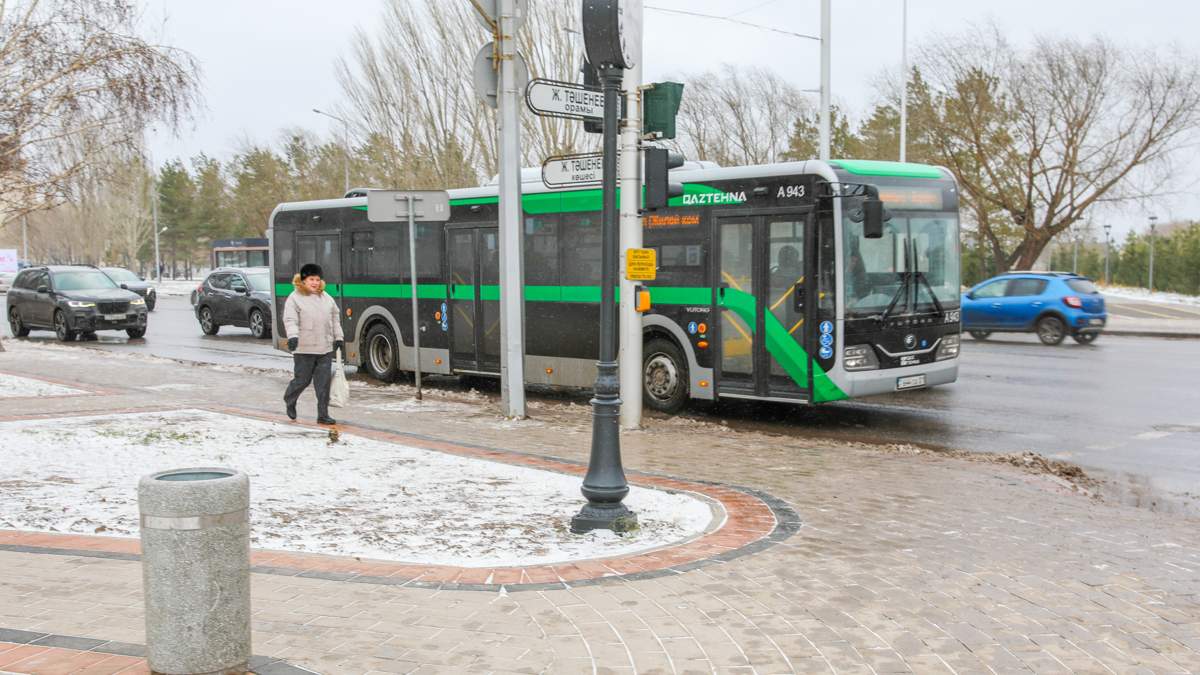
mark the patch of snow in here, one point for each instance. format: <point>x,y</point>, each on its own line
<point>177,287</point>
<point>14,386</point>
<point>1145,295</point>
<point>357,496</point>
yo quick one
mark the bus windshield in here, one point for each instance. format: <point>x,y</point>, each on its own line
<point>916,260</point>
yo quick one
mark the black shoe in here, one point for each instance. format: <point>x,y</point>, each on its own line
<point>291,412</point>
<point>326,420</point>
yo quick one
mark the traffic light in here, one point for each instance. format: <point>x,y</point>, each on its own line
<point>660,104</point>
<point>659,188</point>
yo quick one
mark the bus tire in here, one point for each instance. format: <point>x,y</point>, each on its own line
<point>381,352</point>
<point>665,380</point>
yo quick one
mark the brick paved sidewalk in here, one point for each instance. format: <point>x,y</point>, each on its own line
<point>904,562</point>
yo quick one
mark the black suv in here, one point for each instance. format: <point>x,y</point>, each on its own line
<point>73,300</point>
<point>235,296</point>
<point>132,282</point>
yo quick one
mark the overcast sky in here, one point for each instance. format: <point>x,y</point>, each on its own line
<point>267,63</point>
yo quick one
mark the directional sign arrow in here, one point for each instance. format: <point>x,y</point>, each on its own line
<point>551,98</point>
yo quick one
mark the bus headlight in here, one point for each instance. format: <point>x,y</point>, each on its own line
<point>859,357</point>
<point>949,347</point>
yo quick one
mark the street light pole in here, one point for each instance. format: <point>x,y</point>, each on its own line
<point>904,84</point>
<point>345,146</point>
<point>154,222</point>
<point>1153,221</point>
<point>826,122</point>
<point>25,238</point>
<point>1107,247</point>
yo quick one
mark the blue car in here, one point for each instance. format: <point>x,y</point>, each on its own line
<point>1051,304</point>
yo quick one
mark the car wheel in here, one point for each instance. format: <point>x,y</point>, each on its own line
<point>15,324</point>
<point>207,323</point>
<point>64,333</point>
<point>664,376</point>
<point>258,325</point>
<point>980,335</point>
<point>151,302</point>
<point>1051,330</point>
<point>382,353</point>
<point>135,333</point>
<point>1085,338</point>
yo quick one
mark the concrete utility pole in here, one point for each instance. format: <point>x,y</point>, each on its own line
<point>630,360</point>
<point>1153,221</point>
<point>904,84</point>
<point>154,220</point>
<point>1107,247</point>
<point>345,146</point>
<point>825,78</point>
<point>512,276</point>
<point>25,238</point>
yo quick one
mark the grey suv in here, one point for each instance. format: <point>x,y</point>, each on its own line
<point>235,296</point>
<point>73,301</point>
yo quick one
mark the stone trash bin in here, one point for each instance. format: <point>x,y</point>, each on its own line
<point>196,570</point>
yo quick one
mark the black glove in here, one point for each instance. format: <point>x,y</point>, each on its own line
<point>293,343</point>
<point>340,344</point>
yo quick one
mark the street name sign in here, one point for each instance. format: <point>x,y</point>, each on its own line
<point>641,264</point>
<point>573,170</point>
<point>391,206</point>
<point>552,98</point>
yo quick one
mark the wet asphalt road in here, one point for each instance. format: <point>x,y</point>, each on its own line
<point>1128,407</point>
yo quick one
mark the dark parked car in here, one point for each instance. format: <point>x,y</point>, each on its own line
<point>235,297</point>
<point>132,282</point>
<point>73,300</point>
<point>1051,304</point>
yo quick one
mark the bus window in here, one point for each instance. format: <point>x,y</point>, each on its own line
<point>581,249</point>
<point>541,250</point>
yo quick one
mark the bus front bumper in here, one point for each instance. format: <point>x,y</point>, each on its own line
<point>891,380</point>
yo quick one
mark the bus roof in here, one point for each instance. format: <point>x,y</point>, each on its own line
<point>687,174</point>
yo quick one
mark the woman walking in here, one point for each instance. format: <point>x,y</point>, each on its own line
<point>314,331</point>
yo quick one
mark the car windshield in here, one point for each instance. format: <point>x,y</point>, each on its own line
<point>260,282</point>
<point>925,242</point>
<point>82,280</point>
<point>1084,286</point>
<point>120,275</point>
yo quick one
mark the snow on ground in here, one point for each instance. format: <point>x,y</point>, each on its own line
<point>357,496</point>
<point>13,386</point>
<point>177,287</point>
<point>1145,295</point>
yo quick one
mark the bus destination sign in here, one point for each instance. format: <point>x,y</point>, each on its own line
<point>551,98</point>
<point>573,170</point>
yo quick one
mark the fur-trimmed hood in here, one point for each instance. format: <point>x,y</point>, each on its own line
<point>302,289</point>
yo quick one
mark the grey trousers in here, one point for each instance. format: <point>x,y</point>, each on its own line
<point>315,369</point>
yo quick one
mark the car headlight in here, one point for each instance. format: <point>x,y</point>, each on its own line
<point>859,357</point>
<point>79,304</point>
<point>138,301</point>
<point>948,349</point>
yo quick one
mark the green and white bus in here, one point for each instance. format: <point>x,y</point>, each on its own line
<point>766,289</point>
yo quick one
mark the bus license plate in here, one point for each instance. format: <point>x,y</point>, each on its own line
<point>910,382</point>
<point>114,317</point>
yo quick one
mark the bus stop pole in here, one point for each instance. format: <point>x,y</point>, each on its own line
<point>630,361</point>
<point>412,266</point>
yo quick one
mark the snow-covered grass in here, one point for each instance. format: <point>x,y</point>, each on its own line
<point>14,386</point>
<point>356,496</point>
<point>1144,295</point>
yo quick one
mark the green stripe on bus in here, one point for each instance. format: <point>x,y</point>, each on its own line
<point>866,167</point>
<point>582,201</point>
<point>782,346</point>
<point>661,295</point>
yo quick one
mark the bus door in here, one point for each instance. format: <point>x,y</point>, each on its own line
<point>324,249</point>
<point>474,285</point>
<point>766,304</point>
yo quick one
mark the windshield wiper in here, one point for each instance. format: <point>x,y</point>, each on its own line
<point>918,275</point>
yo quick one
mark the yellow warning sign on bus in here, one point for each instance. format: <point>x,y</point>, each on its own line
<point>641,264</point>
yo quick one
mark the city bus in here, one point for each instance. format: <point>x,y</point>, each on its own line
<point>767,285</point>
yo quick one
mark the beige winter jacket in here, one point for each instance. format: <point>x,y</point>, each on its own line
<point>314,318</point>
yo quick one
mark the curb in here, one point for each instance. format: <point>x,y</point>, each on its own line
<point>1153,334</point>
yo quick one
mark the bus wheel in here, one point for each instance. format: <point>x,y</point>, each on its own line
<point>664,376</point>
<point>382,353</point>
<point>1051,330</point>
<point>980,335</point>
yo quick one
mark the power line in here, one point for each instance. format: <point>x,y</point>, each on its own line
<point>732,20</point>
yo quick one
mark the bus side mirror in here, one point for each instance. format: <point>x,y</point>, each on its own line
<point>872,218</point>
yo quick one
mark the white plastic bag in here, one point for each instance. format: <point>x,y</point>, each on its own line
<point>339,388</point>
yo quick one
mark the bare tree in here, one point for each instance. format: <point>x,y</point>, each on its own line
<point>410,92</point>
<point>76,85</point>
<point>739,116</point>
<point>1038,137</point>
